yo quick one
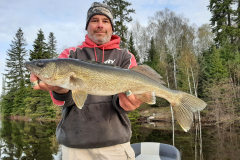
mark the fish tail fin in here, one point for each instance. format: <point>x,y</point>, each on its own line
<point>184,107</point>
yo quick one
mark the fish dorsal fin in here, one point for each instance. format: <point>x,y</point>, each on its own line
<point>149,72</point>
<point>99,63</point>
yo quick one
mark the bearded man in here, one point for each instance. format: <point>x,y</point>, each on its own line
<point>101,130</point>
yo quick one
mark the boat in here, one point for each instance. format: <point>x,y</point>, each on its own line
<point>155,151</point>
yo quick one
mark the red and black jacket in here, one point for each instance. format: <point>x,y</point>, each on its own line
<point>101,122</point>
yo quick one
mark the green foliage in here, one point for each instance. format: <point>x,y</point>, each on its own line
<point>18,102</point>
<point>134,115</point>
<point>221,19</point>
<point>7,103</point>
<point>3,86</point>
<point>15,69</point>
<point>132,49</point>
<point>40,48</point>
<point>215,68</point>
<point>121,15</point>
<point>38,104</point>
<point>52,44</point>
<point>153,56</point>
<point>23,140</point>
<point>21,99</point>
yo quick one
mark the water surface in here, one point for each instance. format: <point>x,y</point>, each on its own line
<point>36,140</point>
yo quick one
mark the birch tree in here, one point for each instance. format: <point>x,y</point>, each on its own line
<point>204,39</point>
<point>141,38</point>
<point>168,28</point>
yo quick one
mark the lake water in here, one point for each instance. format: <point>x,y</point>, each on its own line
<point>36,140</point>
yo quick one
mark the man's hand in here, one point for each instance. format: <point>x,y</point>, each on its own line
<point>129,103</point>
<point>43,86</point>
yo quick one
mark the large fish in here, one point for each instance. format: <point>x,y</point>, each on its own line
<point>85,77</point>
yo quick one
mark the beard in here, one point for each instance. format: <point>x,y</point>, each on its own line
<point>99,40</point>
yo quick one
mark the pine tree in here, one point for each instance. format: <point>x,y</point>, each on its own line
<point>40,48</point>
<point>153,56</point>
<point>52,44</point>
<point>236,20</point>
<point>215,69</point>
<point>3,86</point>
<point>120,14</point>
<point>221,21</point>
<point>225,23</point>
<point>132,49</point>
<point>16,71</point>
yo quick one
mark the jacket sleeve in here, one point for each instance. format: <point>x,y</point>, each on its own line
<point>129,61</point>
<point>65,98</point>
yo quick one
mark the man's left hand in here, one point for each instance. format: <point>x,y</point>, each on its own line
<point>129,103</point>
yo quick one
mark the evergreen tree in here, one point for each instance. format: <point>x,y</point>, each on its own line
<point>120,14</point>
<point>39,102</point>
<point>3,86</point>
<point>40,48</point>
<point>52,44</point>
<point>237,15</point>
<point>7,103</point>
<point>215,70</point>
<point>225,23</point>
<point>236,20</point>
<point>153,56</point>
<point>221,21</point>
<point>15,75</point>
<point>132,49</point>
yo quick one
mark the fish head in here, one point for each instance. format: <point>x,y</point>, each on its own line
<point>42,68</point>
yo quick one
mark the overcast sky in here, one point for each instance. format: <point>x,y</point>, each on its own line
<point>67,19</point>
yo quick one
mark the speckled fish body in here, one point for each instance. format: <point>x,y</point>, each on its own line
<point>84,77</point>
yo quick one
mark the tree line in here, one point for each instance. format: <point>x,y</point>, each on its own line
<point>18,98</point>
<point>203,61</point>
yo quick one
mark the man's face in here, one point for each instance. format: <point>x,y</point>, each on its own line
<point>99,29</point>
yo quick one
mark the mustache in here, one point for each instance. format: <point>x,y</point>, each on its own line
<point>100,30</point>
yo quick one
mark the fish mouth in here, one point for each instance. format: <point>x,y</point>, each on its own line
<point>27,65</point>
<point>30,66</point>
<point>33,64</point>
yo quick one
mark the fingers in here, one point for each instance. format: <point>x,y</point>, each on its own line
<point>33,78</point>
<point>40,85</point>
<point>128,101</point>
<point>37,83</point>
<point>34,81</point>
<point>128,93</point>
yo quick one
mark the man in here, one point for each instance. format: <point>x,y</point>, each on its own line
<point>101,130</point>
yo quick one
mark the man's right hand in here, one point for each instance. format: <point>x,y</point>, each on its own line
<point>43,86</point>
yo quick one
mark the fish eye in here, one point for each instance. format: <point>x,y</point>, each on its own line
<point>39,63</point>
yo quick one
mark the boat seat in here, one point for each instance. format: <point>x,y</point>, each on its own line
<point>155,151</point>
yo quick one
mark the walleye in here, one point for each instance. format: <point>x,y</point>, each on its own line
<point>85,77</point>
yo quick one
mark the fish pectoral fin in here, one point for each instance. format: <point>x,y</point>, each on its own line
<point>79,97</point>
<point>148,97</point>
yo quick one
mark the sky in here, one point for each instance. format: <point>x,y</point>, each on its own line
<point>67,19</point>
